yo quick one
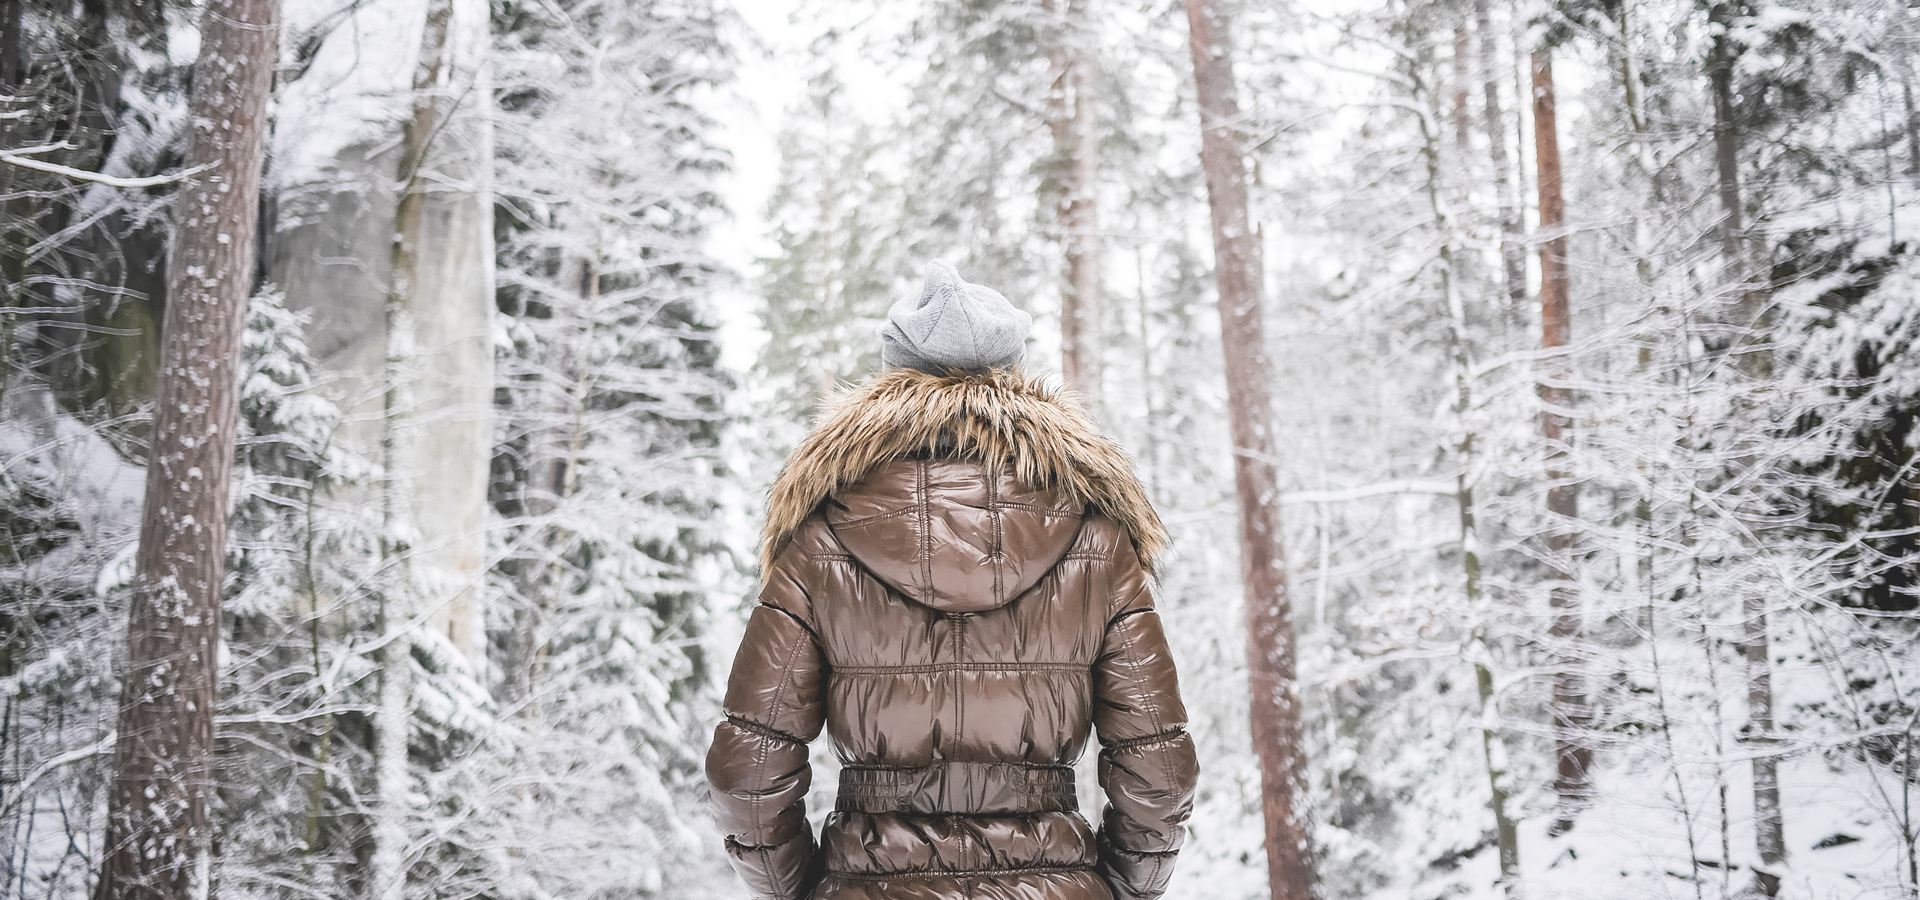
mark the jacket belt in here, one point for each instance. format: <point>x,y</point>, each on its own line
<point>967,788</point>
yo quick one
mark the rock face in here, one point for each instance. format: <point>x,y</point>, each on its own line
<point>331,250</point>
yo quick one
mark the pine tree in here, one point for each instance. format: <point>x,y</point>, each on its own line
<point>157,827</point>
<point>1278,741</point>
<point>611,485</point>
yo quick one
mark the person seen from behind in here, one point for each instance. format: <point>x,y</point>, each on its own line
<point>956,586</point>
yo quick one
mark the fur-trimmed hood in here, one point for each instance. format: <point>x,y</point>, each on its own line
<point>999,416</point>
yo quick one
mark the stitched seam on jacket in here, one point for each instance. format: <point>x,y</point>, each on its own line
<point>794,618</point>
<point>924,501</point>
<point>998,552</point>
<point>1164,737</point>
<point>735,842</point>
<point>1030,766</point>
<point>1113,616</point>
<point>1126,852</point>
<point>1054,512</point>
<point>760,757</point>
<point>959,695</point>
<point>875,517</point>
<point>750,726</point>
<point>957,873</point>
<point>929,668</point>
<point>960,637</point>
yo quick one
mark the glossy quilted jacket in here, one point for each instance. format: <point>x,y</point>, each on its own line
<point>955,589</point>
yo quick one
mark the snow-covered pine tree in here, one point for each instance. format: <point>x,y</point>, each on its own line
<point>834,215</point>
<point>295,688</point>
<point>610,483</point>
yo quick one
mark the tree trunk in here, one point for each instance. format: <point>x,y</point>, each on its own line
<point>157,829</point>
<point>1754,362</point>
<point>1913,122</point>
<point>1070,119</point>
<point>1466,439</point>
<point>1513,255</point>
<point>447,448</point>
<point>1462,88</point>
<point>12,68</point>
<point>1570,714</point>
<point>394,714</point>
<point>1275,712</point>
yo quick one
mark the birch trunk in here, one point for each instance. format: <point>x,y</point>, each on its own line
<point>1466,440</point>
<point>398,604</point>
<point>448,432</point>
<point>1755,363</point>
<point>157,828</point>
<point>1275,713</point>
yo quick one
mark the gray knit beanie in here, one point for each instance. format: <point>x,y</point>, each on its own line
<point>953,325</point>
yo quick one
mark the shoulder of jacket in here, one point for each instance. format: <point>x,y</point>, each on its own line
<point>1100,536</point>
<point>813,538</point>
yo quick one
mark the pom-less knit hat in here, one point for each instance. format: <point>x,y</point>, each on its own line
<point>953,325</point>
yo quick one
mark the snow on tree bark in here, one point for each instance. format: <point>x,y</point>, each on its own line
<point>157,826</point>
<point>1274,701</point>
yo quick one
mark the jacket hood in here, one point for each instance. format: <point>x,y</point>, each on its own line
<point>958,490</point>
<point>952,535</point>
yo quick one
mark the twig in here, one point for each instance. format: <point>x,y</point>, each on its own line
<point>96,177</point>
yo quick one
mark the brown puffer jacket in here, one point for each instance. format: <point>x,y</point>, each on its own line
<point>956,587</point>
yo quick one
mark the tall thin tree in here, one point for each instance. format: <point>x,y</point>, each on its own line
<point>157,826</point>
<point>1572,757</point>
<point>1755,363</point>
<point>1466,446</point>
<point>1513,256</point>
<point>1070,120</point>
<point>394,717</point>
<point>1275,710</point>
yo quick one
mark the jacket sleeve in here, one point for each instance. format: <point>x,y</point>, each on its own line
<point>1147,763</point>
<point>757,767</point>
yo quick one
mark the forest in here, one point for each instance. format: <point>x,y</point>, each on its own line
<point>389,390</point>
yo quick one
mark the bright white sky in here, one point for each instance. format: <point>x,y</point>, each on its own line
<point>772,44</point>
<point>749,130</point>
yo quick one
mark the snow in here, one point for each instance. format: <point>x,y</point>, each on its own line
<point>762,184</point>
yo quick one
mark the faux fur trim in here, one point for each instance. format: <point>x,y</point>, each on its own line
<point>996,415</point>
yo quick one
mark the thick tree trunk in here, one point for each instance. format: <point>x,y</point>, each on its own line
<point>1070,119</point>
<point>1748,343</point>
<point>1513,254</point>
<point>1570,714</point>
<point>157,829</point>
<point>448,450</point>
<point>1275,708</point>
